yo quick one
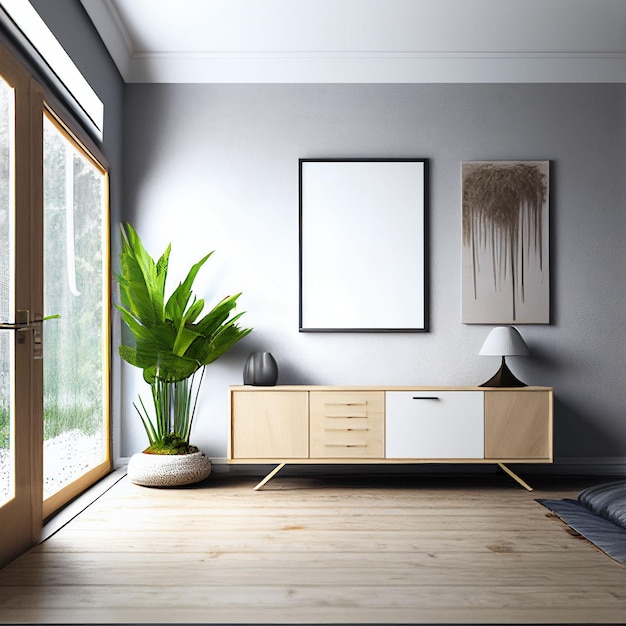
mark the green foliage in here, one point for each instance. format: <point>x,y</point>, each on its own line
<point>5,427</point>
<point>171,341</point>
<point>74,364</point>
<point>172,444</point>
<point>59,420</point>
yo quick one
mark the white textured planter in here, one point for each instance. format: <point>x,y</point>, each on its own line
<point>165,470</point>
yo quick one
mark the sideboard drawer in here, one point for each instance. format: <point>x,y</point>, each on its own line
<point>434,424</point>
<point>347,424</point>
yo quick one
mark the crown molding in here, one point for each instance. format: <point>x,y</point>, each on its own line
<point>371,67</point>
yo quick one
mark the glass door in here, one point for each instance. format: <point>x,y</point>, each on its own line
<point>75,348</point>
<point>20,494</point>
<point>54,262</point>
<point>7,294</point>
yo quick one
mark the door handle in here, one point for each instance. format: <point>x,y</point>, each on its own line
<point>22,321</point>
<point>16,326</point>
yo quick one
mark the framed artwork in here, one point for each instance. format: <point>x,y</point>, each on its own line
<point>505,277</point>
<point>363,245</point>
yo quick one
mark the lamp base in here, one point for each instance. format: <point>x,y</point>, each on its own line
<point>504,377</point>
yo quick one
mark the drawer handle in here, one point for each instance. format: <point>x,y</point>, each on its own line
<point>345,403</point>
<point>345,445</point>
<point>347,430</point>
<point>345,417</point>
<point>425,398</point>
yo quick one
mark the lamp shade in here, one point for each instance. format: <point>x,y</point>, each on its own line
<point>504,341</point>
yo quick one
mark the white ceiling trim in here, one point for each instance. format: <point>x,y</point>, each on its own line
<point>374,66</point>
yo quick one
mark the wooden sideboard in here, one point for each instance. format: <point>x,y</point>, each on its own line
<point>318,424</point>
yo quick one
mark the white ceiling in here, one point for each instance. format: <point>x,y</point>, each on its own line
<point>364,40</point>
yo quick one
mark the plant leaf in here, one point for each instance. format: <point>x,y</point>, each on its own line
<point>170,344</point>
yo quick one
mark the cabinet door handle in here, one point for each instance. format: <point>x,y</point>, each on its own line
<point>425,398</point>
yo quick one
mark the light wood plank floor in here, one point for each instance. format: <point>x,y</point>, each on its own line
<point>424,549</point>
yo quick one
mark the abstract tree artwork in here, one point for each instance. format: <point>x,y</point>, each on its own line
<point>505,242</point>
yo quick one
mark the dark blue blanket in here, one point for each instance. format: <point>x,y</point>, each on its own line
<point>607,501</point>
<point>599,515</point>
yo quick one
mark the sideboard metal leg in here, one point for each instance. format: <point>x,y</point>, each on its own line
<point>270,476</point>
<point>514,476</point>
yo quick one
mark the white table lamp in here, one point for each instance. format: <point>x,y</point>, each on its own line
<point>504,341</point>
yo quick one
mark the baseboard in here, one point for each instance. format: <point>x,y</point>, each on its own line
<point>565,466</point>
<point>121,462</point>
<point>589,466</point>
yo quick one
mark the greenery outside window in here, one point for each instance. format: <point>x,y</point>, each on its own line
<point>76,271</point>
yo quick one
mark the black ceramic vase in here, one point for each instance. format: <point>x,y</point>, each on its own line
<point>260,369</point>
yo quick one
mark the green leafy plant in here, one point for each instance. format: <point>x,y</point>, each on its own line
<point>172,343</point>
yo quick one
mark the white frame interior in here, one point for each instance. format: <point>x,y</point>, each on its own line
<point>362,245</point>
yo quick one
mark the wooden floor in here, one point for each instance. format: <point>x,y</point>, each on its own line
<point>425,549</point>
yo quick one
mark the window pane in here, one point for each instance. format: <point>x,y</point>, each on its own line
<point>74,288</point>
<point>7,290</point>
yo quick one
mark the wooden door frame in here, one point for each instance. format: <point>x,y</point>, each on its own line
<point>23,517</point>
<point>22,521</point>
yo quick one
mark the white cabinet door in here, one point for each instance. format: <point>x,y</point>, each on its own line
<point>434,424</point>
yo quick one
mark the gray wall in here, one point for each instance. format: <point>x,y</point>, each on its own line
<point>216,167</point>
